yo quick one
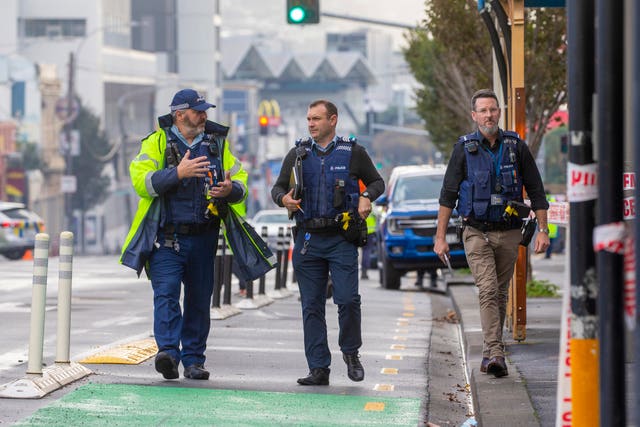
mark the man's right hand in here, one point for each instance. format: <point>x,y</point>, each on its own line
<point>441,247</point>
<point>290,203</point>
<point>196,167</point>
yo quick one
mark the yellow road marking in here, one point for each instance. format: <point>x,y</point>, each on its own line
<point>374,406</point>
<point>389,371</point>
<point>384,387</point>
<point>399,338</point>
<point>407,314</point>
<point>398,346</point>
<point>393,357</point>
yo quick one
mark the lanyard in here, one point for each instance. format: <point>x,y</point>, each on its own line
<point>497,160</point>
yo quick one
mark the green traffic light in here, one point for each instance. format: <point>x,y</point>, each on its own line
<point>297,14</point>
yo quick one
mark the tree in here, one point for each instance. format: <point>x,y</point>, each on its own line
<point>88,167</point>
<point>450,55</point>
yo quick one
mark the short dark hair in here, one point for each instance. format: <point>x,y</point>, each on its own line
<point>330,106</point>
<point>483,93</point>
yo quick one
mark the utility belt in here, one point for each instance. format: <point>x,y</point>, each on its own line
<point>190,229</point>
<point>485,226</point>
<point>320,225</point>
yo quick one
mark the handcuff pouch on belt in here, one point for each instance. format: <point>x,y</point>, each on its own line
<point>352,227</point>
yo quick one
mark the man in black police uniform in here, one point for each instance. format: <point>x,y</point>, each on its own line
<point>331,168</point>
<point>488,169</point>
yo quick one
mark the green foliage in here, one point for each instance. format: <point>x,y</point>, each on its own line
<point>93,186</point>
<point>555,169</point>
<point>31,156</point>
<point>450,55</point>
<point>541,289</point>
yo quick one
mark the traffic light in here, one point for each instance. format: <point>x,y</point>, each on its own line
<point>263,121</point>
<point>303,11</point>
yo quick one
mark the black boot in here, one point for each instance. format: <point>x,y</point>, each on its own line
<point>355,371</point>
<point>317,376</point>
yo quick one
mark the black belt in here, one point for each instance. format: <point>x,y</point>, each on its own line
<point>485,226</point>
<point>189,229</point>
<point>320,225</point>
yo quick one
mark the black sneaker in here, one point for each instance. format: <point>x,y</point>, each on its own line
<point>317,376</point>
<point>167,365</point>
<point>196,372</point>
<point>355,371</point>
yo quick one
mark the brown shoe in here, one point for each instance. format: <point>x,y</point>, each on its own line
<point>497,367</point>
<point>484,364</point>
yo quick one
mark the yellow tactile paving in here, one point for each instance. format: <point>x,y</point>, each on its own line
<point>126,354</point>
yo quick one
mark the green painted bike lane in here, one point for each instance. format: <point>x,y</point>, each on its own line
<point>139,405</point>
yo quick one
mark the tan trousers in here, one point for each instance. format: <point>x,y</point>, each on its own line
<point>491,257</point>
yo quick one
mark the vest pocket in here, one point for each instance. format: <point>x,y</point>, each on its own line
<point>482,192</point>
<point>465,197</point>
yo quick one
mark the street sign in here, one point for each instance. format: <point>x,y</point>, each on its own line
<point>64,112</point>
<point>70,142</point>
<point>68,184</point>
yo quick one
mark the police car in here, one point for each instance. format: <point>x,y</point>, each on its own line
<point>408,225</point>
<point>18,229</point>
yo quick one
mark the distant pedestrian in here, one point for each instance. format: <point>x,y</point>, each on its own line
<point>182,169</point>
<point>488,169</point>
<point>331,167</point>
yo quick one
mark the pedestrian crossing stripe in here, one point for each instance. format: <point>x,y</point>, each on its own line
<point>132,353</point>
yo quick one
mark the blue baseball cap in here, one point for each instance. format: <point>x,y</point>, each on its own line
<point>189,98</point>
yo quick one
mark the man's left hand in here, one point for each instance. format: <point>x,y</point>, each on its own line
<point>223,189</point>
<point>364,207</point>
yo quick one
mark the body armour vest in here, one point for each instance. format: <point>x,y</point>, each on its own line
<point>328,187</point>
<point>187,203</point>
<point>492,178</point>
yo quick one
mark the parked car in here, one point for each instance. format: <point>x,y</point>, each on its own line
<point>274,220</point>
<point>18,229</point>
<point>407,227</point>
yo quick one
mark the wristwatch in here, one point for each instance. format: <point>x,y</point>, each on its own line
<point>543,230</point>
<point>365,193</point>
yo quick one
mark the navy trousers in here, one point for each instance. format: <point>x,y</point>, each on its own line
<point>324,254</point>
<point>183,333</point>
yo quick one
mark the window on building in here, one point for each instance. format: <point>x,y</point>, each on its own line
<point>52,28</point>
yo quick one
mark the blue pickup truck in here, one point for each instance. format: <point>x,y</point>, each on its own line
<point>408,224</point>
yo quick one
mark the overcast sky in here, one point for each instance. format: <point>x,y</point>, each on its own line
<point>268,17</point>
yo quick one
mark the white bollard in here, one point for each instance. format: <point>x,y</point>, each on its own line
<point>38,303</point>
<point>65,272</point>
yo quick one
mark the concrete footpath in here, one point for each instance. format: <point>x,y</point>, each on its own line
<point>527,396</point>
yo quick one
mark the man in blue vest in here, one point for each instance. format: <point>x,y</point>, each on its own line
<point>331,168</point>
<point>488,169</point>
<point>180,170</point>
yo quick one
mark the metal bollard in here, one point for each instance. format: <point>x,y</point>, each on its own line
<point>65,273</point>
<point>38,303</point>
<point>217,271</point>
<point>279,245</point>
<point>227,271</point>
<point>264,233</point>
<point>286,245</point>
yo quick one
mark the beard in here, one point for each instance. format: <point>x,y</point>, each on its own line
<point>489,130</point>
<point>193,128</point>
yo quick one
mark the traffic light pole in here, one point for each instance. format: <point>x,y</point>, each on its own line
<point>583,342</point>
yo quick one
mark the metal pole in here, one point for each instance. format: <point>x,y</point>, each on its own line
<point>584,320</point>
<point>65,272</point>
<point>610,134</point>
<point>38,303</point>
<point>264,233</point>
<point>635,78</point>
<point>67,155</point>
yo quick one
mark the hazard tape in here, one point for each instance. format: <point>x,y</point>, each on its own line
<point>610,237</point>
